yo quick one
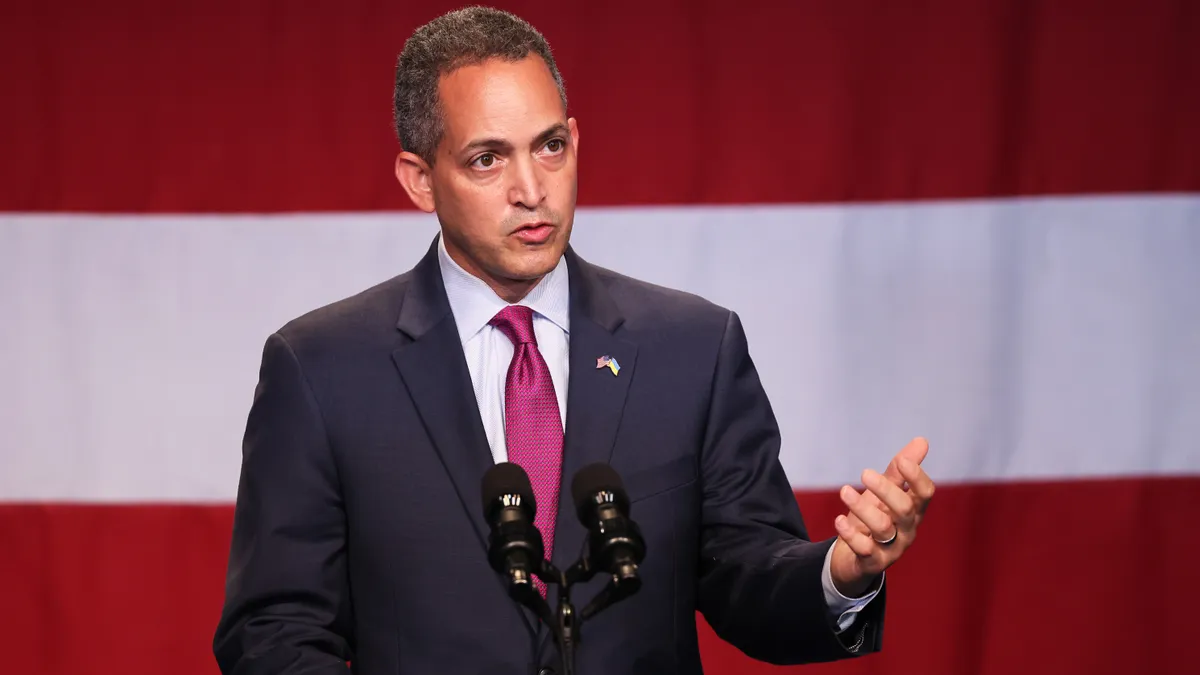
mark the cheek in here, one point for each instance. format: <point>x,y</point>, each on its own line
<point>563,186</point>
<point>475,208</point>
<point>485,207</point>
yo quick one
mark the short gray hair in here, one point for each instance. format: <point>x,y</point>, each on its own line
<point>463,37</point>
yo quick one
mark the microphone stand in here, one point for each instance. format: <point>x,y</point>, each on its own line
<point>565,623</point>
<point>568,623</point>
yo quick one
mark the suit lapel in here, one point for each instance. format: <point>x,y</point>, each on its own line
<point>595,396</point>
<point>434,369</point>
<point>595,403</point>
<point>435,372</point>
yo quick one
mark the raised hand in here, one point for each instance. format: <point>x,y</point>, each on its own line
<point>882,521</point>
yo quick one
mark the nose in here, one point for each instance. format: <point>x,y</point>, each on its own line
<point>526,183</point>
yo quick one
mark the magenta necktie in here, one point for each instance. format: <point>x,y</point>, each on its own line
<point>532,424</point>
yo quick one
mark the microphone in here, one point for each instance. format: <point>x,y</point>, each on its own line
<point>515,547</point>
<point>615,543</point>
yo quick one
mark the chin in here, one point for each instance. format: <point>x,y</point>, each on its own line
<point>534,265</point>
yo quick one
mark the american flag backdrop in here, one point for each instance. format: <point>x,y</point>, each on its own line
<point>976,221</point>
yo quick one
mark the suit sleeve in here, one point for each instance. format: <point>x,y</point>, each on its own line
<point>287,602</point>
<point>760,575</point>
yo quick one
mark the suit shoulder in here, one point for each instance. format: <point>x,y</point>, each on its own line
<point>349,320</point>
<point>653,306</point>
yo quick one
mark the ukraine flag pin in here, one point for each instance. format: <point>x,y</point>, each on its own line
<point>609,362</point>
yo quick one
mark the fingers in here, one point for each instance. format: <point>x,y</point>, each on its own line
<point>873,521</point>
<point>858,542</point>
<point>892,472</point>
<point>899,503</point>
<point>858,524</point>
<point>920,484</point>
<point>915,451</point>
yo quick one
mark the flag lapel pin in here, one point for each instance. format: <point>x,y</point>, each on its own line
<point>609,362</point>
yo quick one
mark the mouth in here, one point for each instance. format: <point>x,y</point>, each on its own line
<point>534,233</point>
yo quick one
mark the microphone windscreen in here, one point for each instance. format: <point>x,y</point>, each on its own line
<point>504,479</point>
<point>595,478</point>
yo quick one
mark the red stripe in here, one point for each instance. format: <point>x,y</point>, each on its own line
<point>239,105</point>
<point>1073,577</point>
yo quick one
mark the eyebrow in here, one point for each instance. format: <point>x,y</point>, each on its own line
<point>502,145</point>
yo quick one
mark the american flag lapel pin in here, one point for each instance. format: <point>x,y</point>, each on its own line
<point>609,362</point>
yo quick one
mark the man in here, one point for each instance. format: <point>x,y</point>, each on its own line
<point>359,535</point>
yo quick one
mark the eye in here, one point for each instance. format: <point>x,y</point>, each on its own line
<point>485,161</point>
<point>555,145</point>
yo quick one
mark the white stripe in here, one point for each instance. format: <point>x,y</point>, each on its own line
<point>1028,338</point>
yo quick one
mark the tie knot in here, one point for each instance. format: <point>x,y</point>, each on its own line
<point>516,322</point>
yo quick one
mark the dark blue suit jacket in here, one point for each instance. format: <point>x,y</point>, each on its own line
<point>358,533</point>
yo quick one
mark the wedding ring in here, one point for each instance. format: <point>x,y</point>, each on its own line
<point>890,539</point>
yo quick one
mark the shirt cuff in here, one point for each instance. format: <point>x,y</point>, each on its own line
<point>842,609</point>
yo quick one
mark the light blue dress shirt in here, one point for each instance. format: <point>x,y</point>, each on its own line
<point>489,353</point>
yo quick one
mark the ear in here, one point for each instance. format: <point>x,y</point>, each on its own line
<point>574,128</point>
<point>415,175</point>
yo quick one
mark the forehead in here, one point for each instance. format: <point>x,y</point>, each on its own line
<point>499,98</point>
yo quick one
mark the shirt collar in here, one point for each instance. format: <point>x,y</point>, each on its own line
<point>474,303</point>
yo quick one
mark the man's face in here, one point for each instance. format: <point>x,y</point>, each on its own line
<point>504,182</point>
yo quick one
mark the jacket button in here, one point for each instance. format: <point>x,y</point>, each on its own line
<point>546,671</point>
